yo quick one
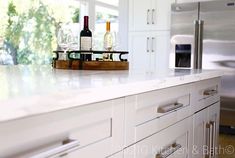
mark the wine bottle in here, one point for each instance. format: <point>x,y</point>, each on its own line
<point>108,38</point>
<point>86,41</point>
<point>108,42</point>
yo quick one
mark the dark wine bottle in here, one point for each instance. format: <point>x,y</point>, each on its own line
<point>86,41</point>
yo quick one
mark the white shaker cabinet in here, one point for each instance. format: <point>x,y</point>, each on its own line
<point>94,130</point>
<point>172,142</point>
<point>148,113</point>
<point>206,121</point>
<point>158,123</point>
<point>139,13</point>
<point>149,15</point>
<point>213,129</point>
<point>199,133</point>
<point>148,50</point>
<point>189,135</point>
<point>149,34</point>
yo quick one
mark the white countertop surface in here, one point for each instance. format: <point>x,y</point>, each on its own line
<point>30,90</point>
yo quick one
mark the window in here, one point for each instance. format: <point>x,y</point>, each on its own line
<point>106,11</point>
<point>29,28</point>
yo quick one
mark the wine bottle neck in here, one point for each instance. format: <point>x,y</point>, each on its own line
<point>86,22</point>
<point>107,26</point>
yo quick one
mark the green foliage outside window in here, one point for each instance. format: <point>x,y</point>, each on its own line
<point>29,28</point>
<point>76,16</point>
<point>31,34</point>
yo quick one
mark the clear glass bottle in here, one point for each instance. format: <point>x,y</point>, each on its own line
<point>108,43</point>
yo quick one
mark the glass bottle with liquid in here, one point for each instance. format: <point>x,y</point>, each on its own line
<point>86,41</point>
<point>108,43</point>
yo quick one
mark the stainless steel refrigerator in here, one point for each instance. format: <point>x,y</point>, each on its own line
<point>203,36</point>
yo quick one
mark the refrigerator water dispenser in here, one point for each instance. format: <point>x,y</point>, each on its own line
<point>183,54</point>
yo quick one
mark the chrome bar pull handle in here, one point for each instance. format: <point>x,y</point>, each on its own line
<point>58,152</point>
<point>208,140</point>
<point>213,138</point>
<point>147,47</point>
<point>210,92</point>
<point>148,11</point>
<point>211,150</point>
<point>153,40</point>
<point>153,16</point>
<point>168,151</point>
<point>169,108</point>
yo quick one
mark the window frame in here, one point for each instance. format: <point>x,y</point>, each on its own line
<point>123,19</point>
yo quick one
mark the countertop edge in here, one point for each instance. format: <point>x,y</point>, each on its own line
<point>47,105</point>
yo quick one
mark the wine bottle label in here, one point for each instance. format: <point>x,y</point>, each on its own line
<point>108,41</point>
<point>86,43</point>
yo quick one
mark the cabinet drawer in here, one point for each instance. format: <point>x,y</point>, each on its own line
<point>207,92</point>
<point>97,127</point>
<point>150,112</point>
<point>118,155</point>
<point>172,142</point>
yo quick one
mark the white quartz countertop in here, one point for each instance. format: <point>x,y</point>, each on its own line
<point>30,90</point>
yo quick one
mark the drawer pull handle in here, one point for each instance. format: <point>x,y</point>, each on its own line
<point>68,147</point>
<point>210,92</point>
<point>168,108</point>
<point>168,151</point>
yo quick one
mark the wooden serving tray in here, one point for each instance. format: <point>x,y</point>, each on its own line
<point>90,65</point>
<point>77,64</point>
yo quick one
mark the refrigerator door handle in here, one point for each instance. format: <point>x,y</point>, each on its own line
<point>196,35</point>
<point>200,43</point>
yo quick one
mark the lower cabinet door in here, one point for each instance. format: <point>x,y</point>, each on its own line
<point>213,135</point>
<point>199,134</point>
<point>172,142</point>
<point>206,132</point>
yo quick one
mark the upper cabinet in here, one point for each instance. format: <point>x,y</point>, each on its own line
<point>149,15</point>
<point>148,50</point>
